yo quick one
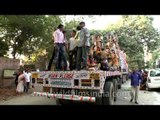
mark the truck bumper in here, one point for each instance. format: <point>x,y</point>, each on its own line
<point>66,97</point>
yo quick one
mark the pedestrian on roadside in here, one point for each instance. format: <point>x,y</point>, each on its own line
<point>21,81</point>
<point>27,76</point>
<point>135,84</point>
<point>144,80</point>
<point>16,77</point>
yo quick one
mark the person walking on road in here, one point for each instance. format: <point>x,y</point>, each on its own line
<point>135,83</point>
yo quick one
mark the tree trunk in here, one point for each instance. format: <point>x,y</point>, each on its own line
<point>14,51</point>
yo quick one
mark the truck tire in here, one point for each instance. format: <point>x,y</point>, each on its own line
<point>108,96</point>
<point>99,101</point>
<point>115,88</point>
<point>64,102</point>
<point>119,86</point>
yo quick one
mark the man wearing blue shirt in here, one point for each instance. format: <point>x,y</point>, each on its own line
<point>135,83</point>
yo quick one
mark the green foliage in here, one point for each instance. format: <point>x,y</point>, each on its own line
<point>69,26</point>
<point>133,33</point>
<point>31,35</point>
<point>4,48</point>
<point>26,34</point>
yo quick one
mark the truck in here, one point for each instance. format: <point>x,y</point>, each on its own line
<point>99,87</point>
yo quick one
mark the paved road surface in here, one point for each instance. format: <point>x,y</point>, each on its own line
<point>29,100</point>
<point>145,98</point>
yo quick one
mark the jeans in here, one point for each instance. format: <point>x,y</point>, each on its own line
<point>51,60</point>
<point>60,52</point>
<point>72,58</point>
<point>82,54</point>
<point>26,86</point>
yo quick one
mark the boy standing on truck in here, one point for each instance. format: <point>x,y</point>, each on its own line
<point>135,83</point>
<point>72,46</point>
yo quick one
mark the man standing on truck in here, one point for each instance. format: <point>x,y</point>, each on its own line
<point>83,47</point>
<point>59,41</point>
<point>72,50</point>
<point>135,83</point>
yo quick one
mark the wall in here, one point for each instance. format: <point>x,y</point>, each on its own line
<point>7,63</point>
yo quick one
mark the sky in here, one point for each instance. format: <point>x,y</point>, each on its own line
<point>101,22</point>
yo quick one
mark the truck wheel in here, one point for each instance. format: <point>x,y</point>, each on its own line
<point>115,88</point>
<point>99,101</point>
<point>119,86</point>
<point>64,102</point>
<point>108,96</point>
<point>57,102</point>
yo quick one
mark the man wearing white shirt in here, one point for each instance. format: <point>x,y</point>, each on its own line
<point>59,42</point>
<point>27,76</point>
<point>72,50</point>
<point>83,47</point>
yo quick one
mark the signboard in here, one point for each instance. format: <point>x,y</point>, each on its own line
<point>62,75</point>
<point>35,75</point>
<point>82,75</point>
<point>39,80</point>
<point>65,83</point>
<point>94,76</point>
<point>8,73</point>
<point>86,82</point>
<point>43,74</point>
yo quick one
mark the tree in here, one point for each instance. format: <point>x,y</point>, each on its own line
<point>155,57</point>
<point>69,26</point>
<point>73,23</point>
<point>26,34</point>
<point>134,32</point>
<point>4,48</point>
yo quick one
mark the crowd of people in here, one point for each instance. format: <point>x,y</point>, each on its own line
<point>22,81</point>
<point>83,54</point>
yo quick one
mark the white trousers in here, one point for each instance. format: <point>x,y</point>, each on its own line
<point>134,92</point>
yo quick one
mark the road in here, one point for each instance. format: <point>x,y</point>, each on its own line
<point>145,98</point>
